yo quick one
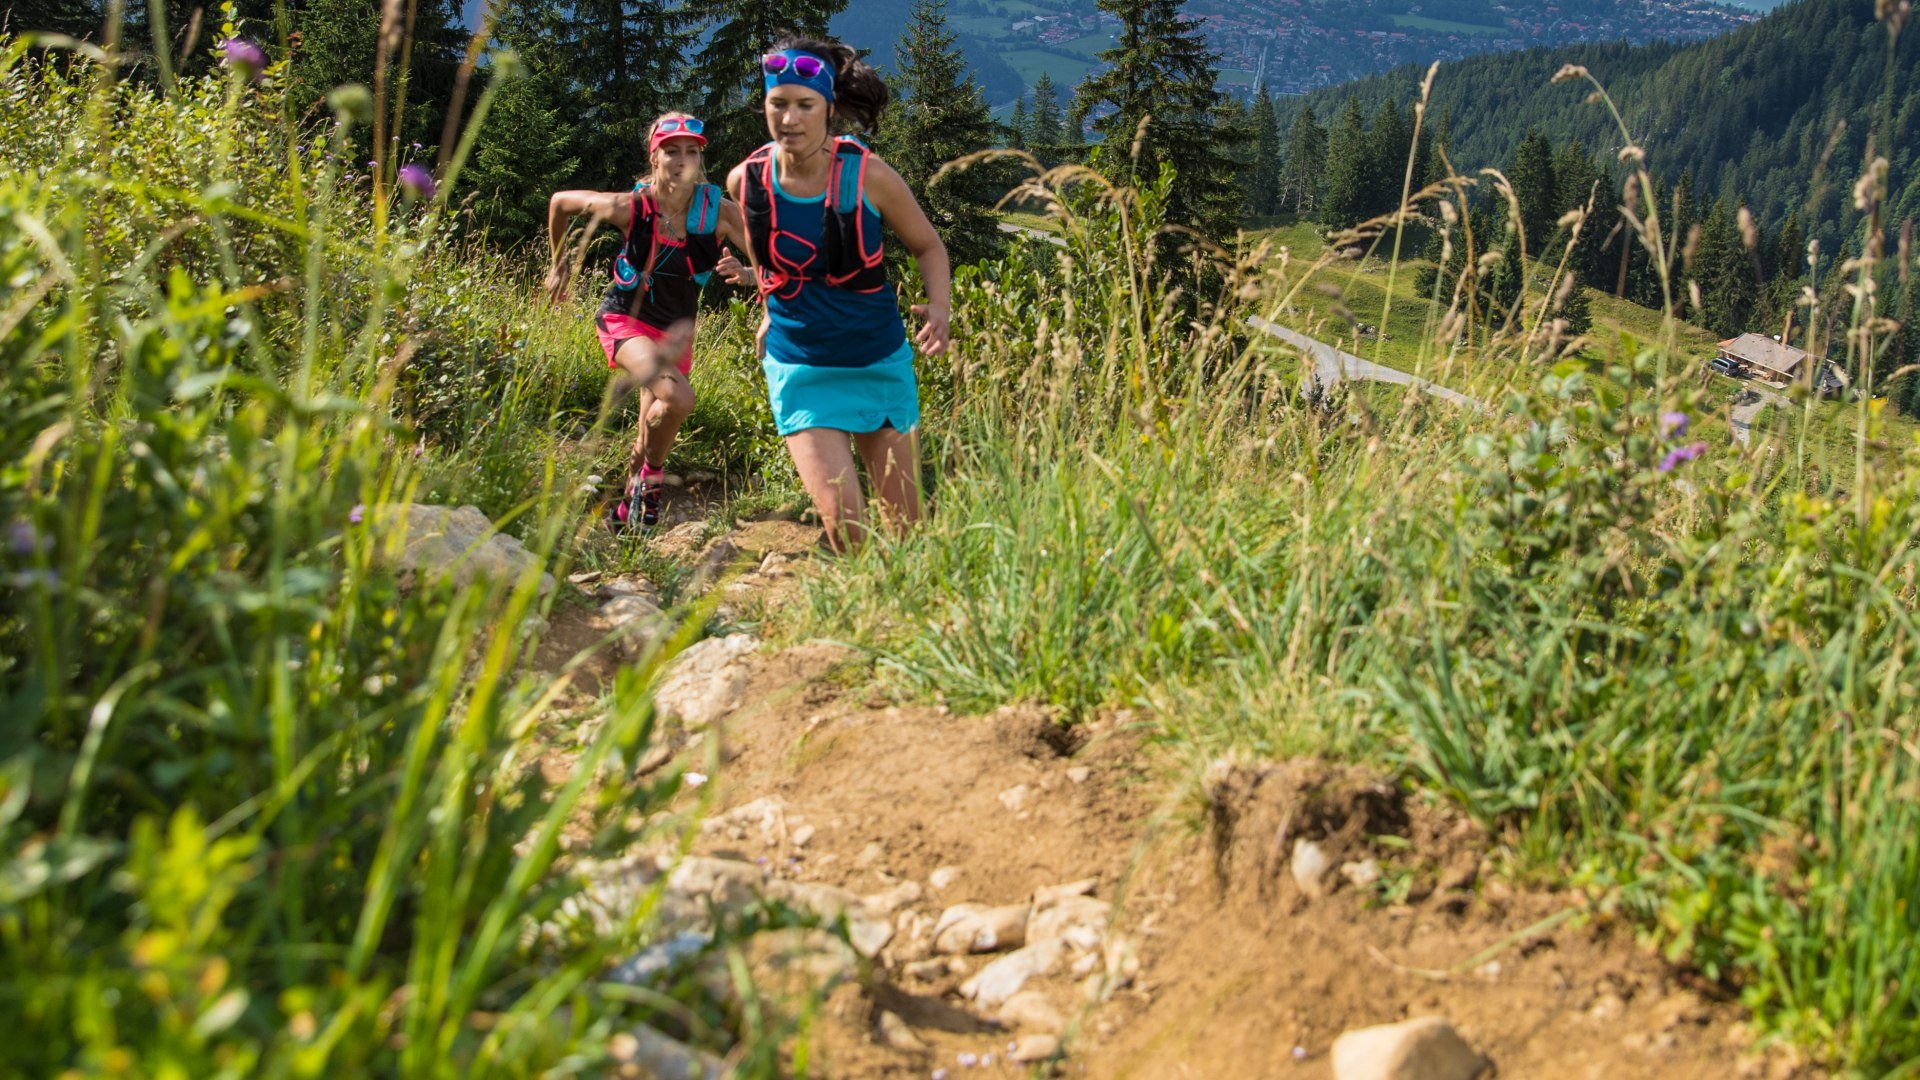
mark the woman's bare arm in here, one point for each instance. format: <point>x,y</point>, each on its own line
<point>562,208</point>
<point>901,212</point>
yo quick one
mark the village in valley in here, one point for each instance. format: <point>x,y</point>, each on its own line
<point>1292,46</point>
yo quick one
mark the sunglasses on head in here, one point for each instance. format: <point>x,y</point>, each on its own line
<point>687,124</point>
<point>807,67</point>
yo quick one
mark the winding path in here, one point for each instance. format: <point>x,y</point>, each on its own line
<point>1330,365</point>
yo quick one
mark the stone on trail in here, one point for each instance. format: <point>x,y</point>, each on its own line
<point>1015,798</point>
<point>943,877</point>
<point>895,1033</point>
<point>681,540</point>
<point>1005,977</point>
<point>1361,874</point>
<point>1048,895</point>
<point>706,681</point>
<point>1031,1048</point>
<point>663,1057</point>
<point>970,928</point>
<point>1079,774</point>
<point>1310,866</point>
<point>1031,1010</point>
<point>1079,922</point>
<point>439,541</point>
<point>1426,1048</point>
<point>633,617</point>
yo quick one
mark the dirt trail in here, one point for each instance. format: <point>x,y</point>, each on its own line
<point>1213,960</point>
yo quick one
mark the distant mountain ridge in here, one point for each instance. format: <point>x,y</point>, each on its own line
<point>1288,45</point>
<point>1749,115</point>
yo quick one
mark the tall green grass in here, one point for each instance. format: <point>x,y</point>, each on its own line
<point>267,806</point>
<point>1682,686</point>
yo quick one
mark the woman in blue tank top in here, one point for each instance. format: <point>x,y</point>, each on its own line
<point>836,352</point>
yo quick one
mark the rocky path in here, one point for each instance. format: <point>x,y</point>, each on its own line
<point>1022,898</point>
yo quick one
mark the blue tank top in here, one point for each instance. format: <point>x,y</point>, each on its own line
<point>820,325</point>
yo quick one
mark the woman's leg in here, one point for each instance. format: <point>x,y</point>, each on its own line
<point>825,461</point>
<point>893,463</point>
<point>664,405</point>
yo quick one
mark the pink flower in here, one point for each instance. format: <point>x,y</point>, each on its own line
<point>1673,425</point>
<point>416,181</point>
<point>1679,454</point>
<point>357,514</point>
<point>244,57</point>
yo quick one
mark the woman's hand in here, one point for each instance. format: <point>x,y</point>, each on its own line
<point>932,337</point>
<point>556,283</point>
<point>735,272</point>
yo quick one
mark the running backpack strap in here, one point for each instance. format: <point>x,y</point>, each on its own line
<point>854,259</point>
<point>703,211</point>
<point>627,272</point>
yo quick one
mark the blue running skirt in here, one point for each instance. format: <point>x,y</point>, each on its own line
<point>857,400</point>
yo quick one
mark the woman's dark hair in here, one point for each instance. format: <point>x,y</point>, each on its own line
<point>859,93</point>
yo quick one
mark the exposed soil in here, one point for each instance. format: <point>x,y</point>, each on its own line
<point>1241,973</point>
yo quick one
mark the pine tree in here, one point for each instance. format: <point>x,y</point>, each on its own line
<point>1389,142</point>
<point>1049,129</point>
<point>1578,179</point>
<point>1728,290</point>
<point>1303,176</point>
<point>1349,170</point>
<point>525,152</point>
<point>941,117</point>
<point>729,65</point>
<point>338,45</point>
<point>1533,185</point>
<point>1019,126</point>
<point>1161,68</point>
<point>75,18</point>
<point>1263,195</point>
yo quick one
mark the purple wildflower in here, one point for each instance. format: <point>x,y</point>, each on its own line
<point>1673,425</point>
<point>244,57</point>
<point>939,1074</point>
<point>357,514</point>
<point>968,1061</point>
<point>24,539</point>
<point>416,181</point>
<point>1679,454</point>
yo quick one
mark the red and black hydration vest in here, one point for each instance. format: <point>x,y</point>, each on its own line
<point>647,283</point>
<point>851,251</point>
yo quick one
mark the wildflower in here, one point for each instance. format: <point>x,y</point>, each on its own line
<point>968,1061</point>
<point>1673,424</point>
<point>694,779</point>
<point>1679,454</point>
<point>24,539</point>
<point>416,181</point>
<point>357,514</point>
<point>940,1074</point>
<point>243,56</point>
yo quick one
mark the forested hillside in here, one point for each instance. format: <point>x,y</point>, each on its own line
<point>1750,116</point>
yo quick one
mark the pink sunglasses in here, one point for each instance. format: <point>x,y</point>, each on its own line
<point>807,67</point>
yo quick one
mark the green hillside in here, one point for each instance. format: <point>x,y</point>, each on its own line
<point>1750,115</point>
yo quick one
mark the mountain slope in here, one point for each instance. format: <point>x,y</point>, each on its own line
<point>1749,114</point>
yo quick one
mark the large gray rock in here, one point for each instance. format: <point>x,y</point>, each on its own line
<point>1426,1048</point>
<point>440,541</point>
<point>706,681</point>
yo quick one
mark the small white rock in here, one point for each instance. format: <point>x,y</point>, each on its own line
<point>1362,874</point>
<point>895,1033</point>
<point>1310,866</point>
<point>1079,774</point>
<point>1423,1049</point>
<point>1031,1048</point>
<point>1031,1010</point>
<point>1015,798</point>
<point>802,834</point>
<point>943,877</point>
<point>1006,976</point>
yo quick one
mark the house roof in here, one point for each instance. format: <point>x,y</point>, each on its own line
<point>1762,351</point>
